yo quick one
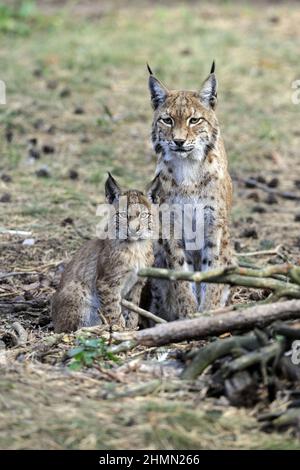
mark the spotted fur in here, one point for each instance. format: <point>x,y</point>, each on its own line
<point>191,167</point>
<point>104,271</point>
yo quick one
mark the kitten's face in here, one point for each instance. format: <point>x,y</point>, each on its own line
<point>132,212</point>
<point>134,218</point>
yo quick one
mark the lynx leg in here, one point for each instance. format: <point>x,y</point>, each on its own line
<point>183,302</point>
<point>74,307</point>
<point>134,296</point>
<point>215,253</point>
<point>110,304</point>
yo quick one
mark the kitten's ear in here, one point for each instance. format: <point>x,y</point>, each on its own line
<point>208,92</point>
<point>112,189</point>
<point>153,189</point>
<point>158,90</point>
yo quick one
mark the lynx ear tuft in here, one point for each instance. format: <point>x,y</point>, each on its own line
<point>208,92</point>
<point>112,189</point>
<point>158,91</point>
<point>153,189</point>
<point>149,69</point>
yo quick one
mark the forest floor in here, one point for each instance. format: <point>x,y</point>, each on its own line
<point>77,107</point>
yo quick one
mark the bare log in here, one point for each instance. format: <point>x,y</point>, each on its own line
<point>205,327</point>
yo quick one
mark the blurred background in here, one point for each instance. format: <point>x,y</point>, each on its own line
<point>77,106</point>
<point>77,96</point>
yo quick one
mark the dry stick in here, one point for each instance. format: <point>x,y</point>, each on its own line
<point>16,306</point>
<point>275,251</point>
<point>240,320</point>
<point>263,187</point>
<point>142,312</point>
<point>16,273</point>
<point>21,332</point>
<point>21,233</point>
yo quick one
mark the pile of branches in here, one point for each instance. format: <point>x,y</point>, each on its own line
<point>246,368</point>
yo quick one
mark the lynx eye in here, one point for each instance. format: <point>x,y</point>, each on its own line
<point>123,215</point>
<point>193,120</point>
<point>167,121</point>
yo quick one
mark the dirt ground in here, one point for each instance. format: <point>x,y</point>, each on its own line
<point>77,107</point>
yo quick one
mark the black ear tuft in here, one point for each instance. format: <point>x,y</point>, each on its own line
<point>149,69</point>
<point>112,189</point>
<point>208,92</point>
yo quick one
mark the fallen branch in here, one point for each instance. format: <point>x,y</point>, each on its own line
<point>205,327</point>
<point>216,349</point>
<point>255,184</point>
<point>196,276</point>
<point>142,312</point>
<point>261,356</point>
<point>239,276</point>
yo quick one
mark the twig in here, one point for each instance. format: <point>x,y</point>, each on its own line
<point>16,306</point>
<point>142,312</point>
<point>21,233</point>
<point>274,251</point>
<point>16,273</point>
<point>125,346</point>
<point>263,187</point>
<point>21,332</point>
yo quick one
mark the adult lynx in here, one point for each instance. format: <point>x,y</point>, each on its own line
<point>191,168</point>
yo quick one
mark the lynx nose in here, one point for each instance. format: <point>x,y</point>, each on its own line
<point>179,142</point>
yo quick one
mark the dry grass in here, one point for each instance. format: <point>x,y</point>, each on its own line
<point>43,408</point>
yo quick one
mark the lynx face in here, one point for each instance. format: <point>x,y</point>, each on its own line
<point>184,124</point>
<point>132,214</point>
